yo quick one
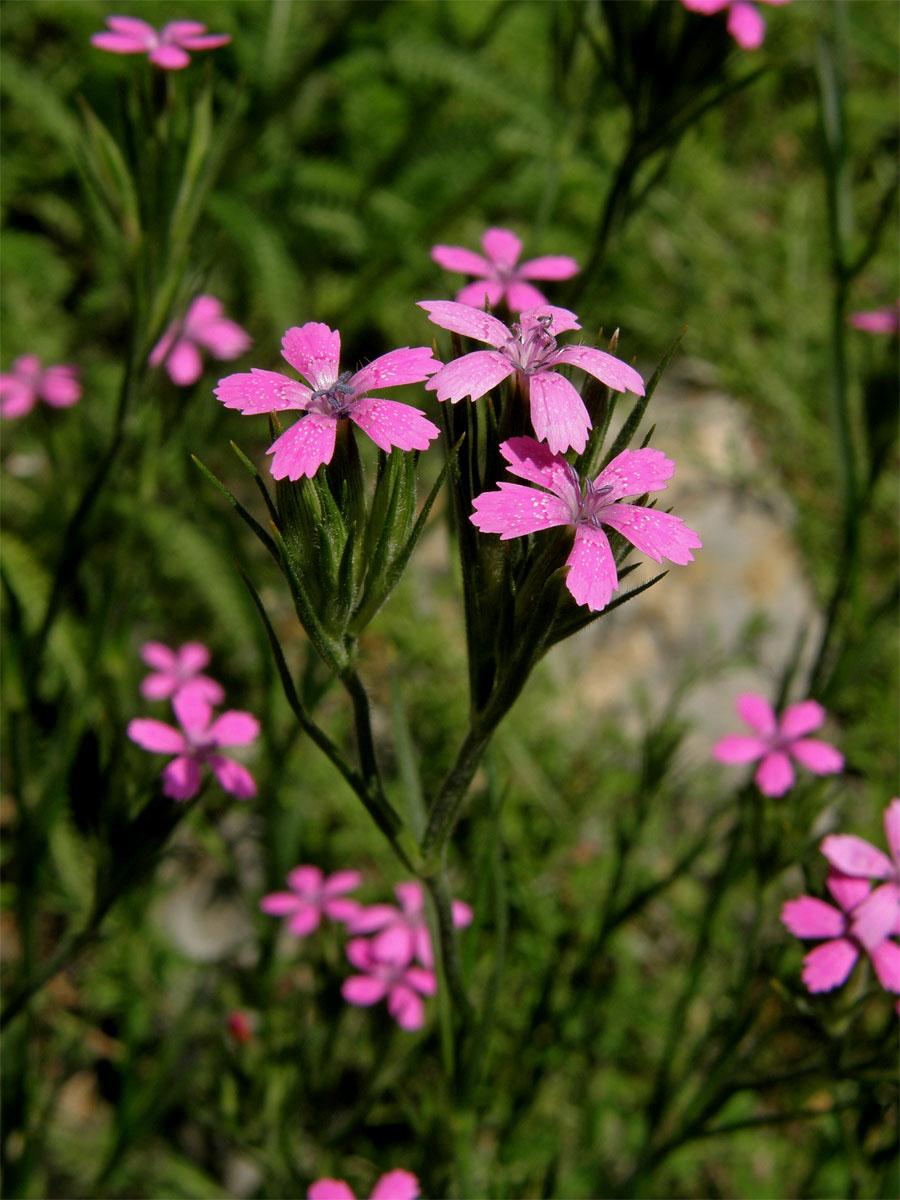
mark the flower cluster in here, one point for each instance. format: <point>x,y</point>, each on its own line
<point>386,962</point>
<point>29,381</point>
<point>864,921</point>
<point>177,677</point>
<point>499,279</point>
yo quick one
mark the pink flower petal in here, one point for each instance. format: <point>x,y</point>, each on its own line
<point>827,966</point>
<point>521,296</point>
<point>406,365</point>
<point>534,461</point>
<point>173,31</point>
<point>657,534</point>
<point>411,897</point>
<point>457,258</point>
<point>471,375</point>
<point>406,1007</point>
<point>847,892</point>
<point>59,387</point>
<point>303,448</point>
<point>134,27</point>
<point>739,748</point>
<point>462,914</point>
<point>607,368</point>
<point>561,319</point>
<point>158,687</point>
<point>424,952</point>
<point>156,736</point>
<point>18,398</point>
<point>774,775</point>
<point>158,655</point>
<point>557,412</point>
<point>192,657</point>
<point>234,728</point>
<point>705,6</point>
<point>817,756</point>
<point>422,980</point>
<point>307,881</point>
<point>184,364</point>
<point>882,320</point>
<point>341,909</point>
<point>158,354</point>
<point>502,247</point>
<point>206,41</point>
<point>223,338</point>
<point>395,945</point>
<point>363,989</point>
<point>756,711</point>
<point>233,777</point>
<point>207,689</point>
<point>304,921</point>
<point>396,1185</point>
<point>481,293</point>
<point>550,266</point>
<point>192,711</point>
<point>514,510</point>
<point>853,855</point>
<point>745,25</point>
<point>315,351</point>
<point>262,391</point>
<point>170,58</point>
<point>342,881</point>
<point>181,778</point>
<point>800,719</point>
<point>592,575</point>
<point>389,423</point>
<point>329,1189</point>
<point>807,917</point>
<point>118,43</point>
<point>876,917</point>
<point>470,322</point>
<point>359,952</point>
<point>634,472</point>
<point>375,916</point>
<point>279,904</point>
<point>892,829</point>
<point>885,959</point>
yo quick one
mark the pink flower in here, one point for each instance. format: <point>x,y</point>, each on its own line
<point>239,1026</point>
<point>28,382</point>
<point>876,916</point>
<point>776,742</point>
<point>514,511</point>
<point>167,48</point>
<point>404,931</point>
<point>177,669</point>
<point>203,326</point>
<point>328,397</point>
<point>828,965</point>
<point>499,278</point>
<point>529,351</point>
<point>310,896</point>
<point>879,320</point>
<point>745,24</point>
<point>395,1185</point>
<point>198,742</point>
<point>400,984</point>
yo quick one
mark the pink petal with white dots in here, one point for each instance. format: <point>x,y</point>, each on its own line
<point>515,510</point>
<point>634,472</point>
<point>659,535</point>
<point>557,412</point>
<point>389,423</point>
<point>827,966</point>
<point>260,391</point>
<point>303,448</point>
<point>471,375</point>
<point>592,577</point>
<point>470,322</point>
<point>607,368</point>
<point>561,319</point>
<point>315,351</point>
<point>774,775</point>
<point>535,461</point>
<point>406,365</point>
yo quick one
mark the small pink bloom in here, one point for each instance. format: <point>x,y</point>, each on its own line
<point>240,1027</point>
<point>395,1185</point>
<point>529,351</point>
<point>174,670</point>
<point>745,24</point>
<point>401,985</point>
<point>310,896</point>
<point>775,742</point>
<point>879,913</point>
<point>198,742</point>
<point>330,396</point>
<point>403,932</point>
<point>829,964</point>
<point>28,381</point>
<point>879,320</point>
<point>166,48</point>
<point>203,326</point>
<point>588,505</point>
<point>499,278</point>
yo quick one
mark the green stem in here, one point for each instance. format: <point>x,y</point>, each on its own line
<point>445,808</point>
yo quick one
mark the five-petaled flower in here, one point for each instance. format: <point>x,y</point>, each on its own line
<point>197,742</point>
<point>529,351</point>
<point>311,896</point>
<point>588,505</point>
<point>166,48</point>
<point>828,965</point>
<point>174,670</point>
<point>878,320</point>
<point>401,985</point>
<point>878,914</point>
<point>203,326</point>
<point>498,277</point>
<point>330,396</point>
<point>28,381</point>
<point>395,1185</point>
<point>402,933</point>
<point>745,23</point>
<point>775,742</point>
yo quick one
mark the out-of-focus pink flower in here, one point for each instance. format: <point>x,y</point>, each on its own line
<point>310,896</point>
<point>828,966</point>
<point>240,1027</point>
<point>403,932</point>
<point>878,915</point>
<point>28,381</point>
<point>197,742</point>
<point>775,742</point>
<point>401,985</point>
<point>529,351</point>
<point>879,320</point>
<point>166,48</point>
<point>588,504</point>
<point>203,326</point>
<point>499,278</point>
<point>745,23</point>
<point>395,1185</point>
<point>174,670</point>
<point>330,396</point>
